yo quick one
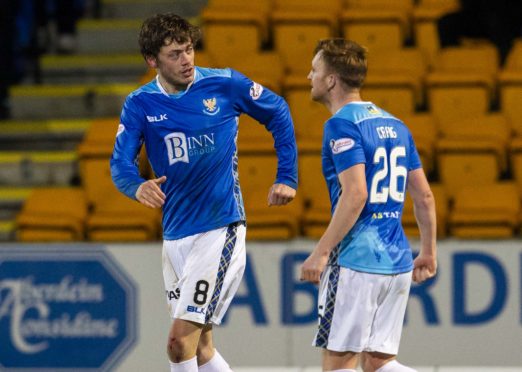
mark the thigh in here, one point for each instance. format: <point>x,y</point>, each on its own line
<point>232,264</point>
<point>197,271</point>
<point>348,301</point>
<point>389,317</point>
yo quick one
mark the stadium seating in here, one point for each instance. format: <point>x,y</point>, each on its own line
<point>475,216</point>
<point>257,173</point>
<point>37,167</point>
<point>387,69</point>
<point>265,68</point>
<point>472,151</point>
<point>397,101</point>
<point>68,101</point>
<point>113,216</point>
<point>377,24</point>
<point>511,107</point>
<point>108,36</point>
<point>11,202</point>
<point>309,118</point>
<point>98,140</point>
<point>486,135</point>
<point>53,214</point>
<point>313,188</point>
<point>425,15</point>
<point>447,97</point>
<point>409,221</point>
<point>463,81</point>
<point>393,84</point>
<point>297,26</point>
<point>234,26</point>
<point>98,68</point>
<point>510,88</point>
<point>423,128</point>
<point>253,137</point>
<point>121,219</point>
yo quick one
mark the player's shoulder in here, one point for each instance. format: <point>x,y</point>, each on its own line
<point>208,72</point>
<point>149,88</point>
<point>358,112</point>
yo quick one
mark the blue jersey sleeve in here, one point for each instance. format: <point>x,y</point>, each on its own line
<point>344,141</point>
<point>271,110</point>
<point>414,161</point>
<point>124,161</point>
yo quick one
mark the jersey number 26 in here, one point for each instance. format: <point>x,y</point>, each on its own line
<point>390,168</point>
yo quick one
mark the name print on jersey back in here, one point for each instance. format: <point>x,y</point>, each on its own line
<point>386,132</point>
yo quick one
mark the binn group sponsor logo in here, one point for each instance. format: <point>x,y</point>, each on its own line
<point>180,147</point>
<point>65,310</point>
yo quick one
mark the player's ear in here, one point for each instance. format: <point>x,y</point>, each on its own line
<point>152,62</point>
<point>332,80</point>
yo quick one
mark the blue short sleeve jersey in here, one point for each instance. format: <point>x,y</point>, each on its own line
<point>190,138</point>
<point>362,133</point>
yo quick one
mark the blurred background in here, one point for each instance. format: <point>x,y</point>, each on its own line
<point>450,69</point>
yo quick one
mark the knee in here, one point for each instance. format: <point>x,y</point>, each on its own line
<point>177,349</point>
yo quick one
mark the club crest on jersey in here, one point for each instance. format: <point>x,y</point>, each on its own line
<point>341,145</point>
<point>372,110</point>
<point>256,90</point>
<point>211,107</point>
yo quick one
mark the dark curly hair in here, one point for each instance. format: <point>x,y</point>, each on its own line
<point>346,58</point>
<point>163,29</point>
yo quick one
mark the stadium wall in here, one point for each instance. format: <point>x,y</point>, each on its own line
<point>469,315</point>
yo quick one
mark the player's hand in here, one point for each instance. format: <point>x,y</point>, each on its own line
<point>424,267</point>
<point>313,267</point>
<point>150,194</point>
<point>280,194</point>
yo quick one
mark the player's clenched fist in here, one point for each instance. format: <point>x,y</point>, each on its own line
<point>280,194</point>
<point>149,193</point>
<point>424,267</point>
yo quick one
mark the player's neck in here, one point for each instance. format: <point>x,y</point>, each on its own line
<point>172,88</point>
<point>338,101</point>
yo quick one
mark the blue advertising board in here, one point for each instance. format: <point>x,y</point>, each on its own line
<point>64,308</point>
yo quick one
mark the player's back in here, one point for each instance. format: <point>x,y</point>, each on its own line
<point>377,242</point>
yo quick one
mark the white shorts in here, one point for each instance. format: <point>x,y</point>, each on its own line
<point>202,273</point>
<point>361,311</point>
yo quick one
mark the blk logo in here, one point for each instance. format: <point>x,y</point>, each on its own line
<point>155,119</point>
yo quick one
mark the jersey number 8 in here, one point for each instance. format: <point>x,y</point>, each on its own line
<point>394,171</point>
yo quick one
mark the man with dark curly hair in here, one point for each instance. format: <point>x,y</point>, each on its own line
<point>187,117</point>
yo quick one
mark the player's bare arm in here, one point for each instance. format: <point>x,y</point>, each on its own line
<point>149,193</point>
<point>280,194</point>
<point>351,203</point>
<point>425,265</point>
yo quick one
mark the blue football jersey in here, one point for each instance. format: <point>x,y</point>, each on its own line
<point>362,133</point>
<point>190,137</point>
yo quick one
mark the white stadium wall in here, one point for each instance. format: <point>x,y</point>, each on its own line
<point>55,299</point>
